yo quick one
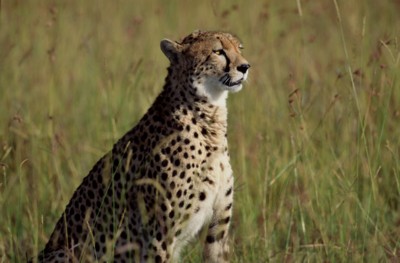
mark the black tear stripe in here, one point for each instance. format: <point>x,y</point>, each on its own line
<point>228,61</point>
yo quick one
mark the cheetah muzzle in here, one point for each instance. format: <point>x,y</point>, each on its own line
<point>169,176</point>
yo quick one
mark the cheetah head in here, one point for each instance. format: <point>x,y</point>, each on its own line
<point>212,60</point>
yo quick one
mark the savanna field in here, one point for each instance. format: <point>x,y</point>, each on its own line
<point>314,135</point>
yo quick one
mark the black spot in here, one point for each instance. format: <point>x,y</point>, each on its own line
<point>157,158</point>
<point>134,148</point>
<point>181,204</point>
<point>177,162</point>
<point>97,246</point>
<point>164,176</point>
<point>228,207</point>
<point>77,217</point>
<point>196,135</point>
<point>229,191</point>
<point>90,194</point>
<point>158,259</point>
<point>117,176</point>
<point>94,184</point>
<point>185,155</point>
<point>186,141</point>
<point>179,193</point>
<point>172,185</point>
<point>171,214</point>
<point>150,189</point>
<point>225,220</point>
<point>182,175</point>
<point>221,235</point>
<point>210,239</point>
<point>115,162</point>
<point>194,121</point>
<point>168,150</point>
<point>202,196</point>
<point>140,156</point>
<point>79,229</point>
<point>83,209</point>
<point>163,207</point>
<point>164,163</point>
<point>188,127</point>
<point>159,236</point>
<point>204,131</point>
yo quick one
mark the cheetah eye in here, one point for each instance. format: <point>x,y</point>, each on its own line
<point>241,46</point>
<point>218,52</point>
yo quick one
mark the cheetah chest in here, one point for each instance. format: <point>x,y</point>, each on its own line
<point>213,181</point>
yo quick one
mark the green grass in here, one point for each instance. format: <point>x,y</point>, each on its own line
<point>314,135</point>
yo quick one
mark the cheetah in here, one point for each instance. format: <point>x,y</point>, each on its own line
<point>169,176</point>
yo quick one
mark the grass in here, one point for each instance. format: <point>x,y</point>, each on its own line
<point>314,135</point>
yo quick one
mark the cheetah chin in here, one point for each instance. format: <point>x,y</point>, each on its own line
<point>230,85</point>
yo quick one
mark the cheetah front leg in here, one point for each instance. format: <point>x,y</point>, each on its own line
<point>216,245</point>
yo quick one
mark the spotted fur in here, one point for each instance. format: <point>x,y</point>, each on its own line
<point>169,176</point>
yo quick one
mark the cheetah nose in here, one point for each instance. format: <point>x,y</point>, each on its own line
<point>243,68</point>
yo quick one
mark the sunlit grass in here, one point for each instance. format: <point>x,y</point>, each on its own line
<point>314,135</point>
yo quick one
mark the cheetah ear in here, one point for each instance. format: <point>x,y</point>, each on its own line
<point>171,49</point>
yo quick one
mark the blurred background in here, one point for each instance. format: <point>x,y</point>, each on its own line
<point>314,135</point>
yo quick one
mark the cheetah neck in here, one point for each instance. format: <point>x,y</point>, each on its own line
<point>211,91</point>
<point>214,96</point>
<point>196,104</point>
